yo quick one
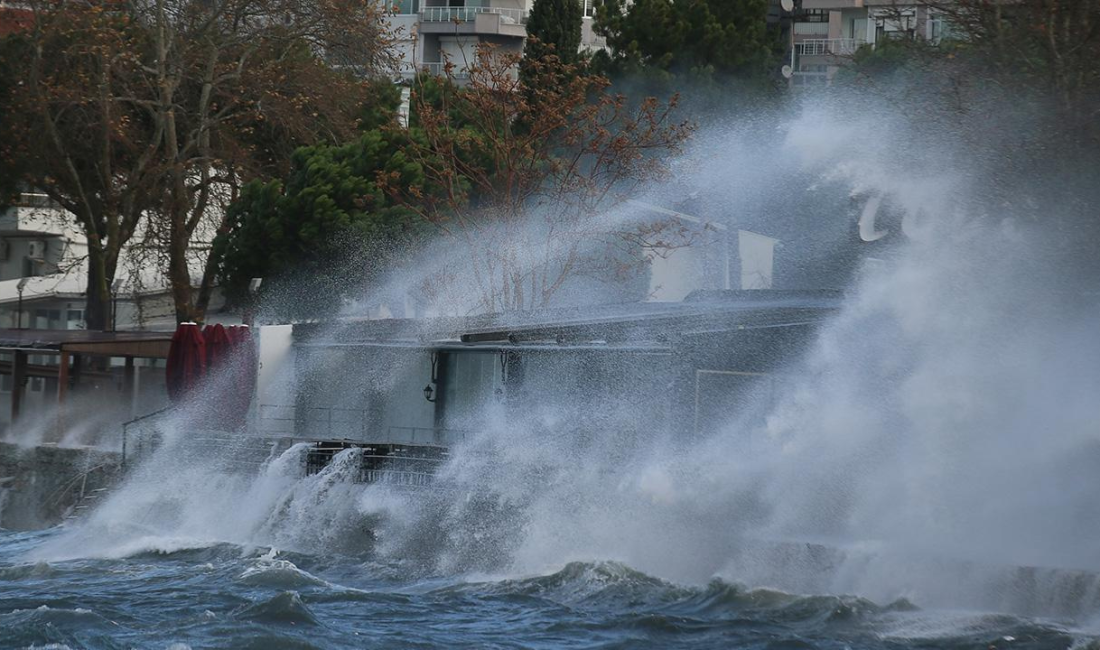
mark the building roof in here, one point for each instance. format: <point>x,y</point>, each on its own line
<point>629,324</point>
<point>116,344</point>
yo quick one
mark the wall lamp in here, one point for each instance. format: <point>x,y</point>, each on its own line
<point>428,390</point>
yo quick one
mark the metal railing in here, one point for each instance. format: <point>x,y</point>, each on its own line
<point>806,29</point>
<point>467,14</point>
<point>828,46</point>
<point>136,436</point>
<point>346,424</point>
<point>393,464</point>
<point>439,69</point>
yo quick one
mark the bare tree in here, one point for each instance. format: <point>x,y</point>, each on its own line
<point>239,82</point>
<point>73,131</point>
<point>163,108</point>
<point>526,174</point>
<point>1053,45</point>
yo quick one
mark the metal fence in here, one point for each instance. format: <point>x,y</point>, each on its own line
<point>467,14</point>
<point>391,464</point>
<point>399,455</point>
<point>828,46</point>
<point>331,423</point>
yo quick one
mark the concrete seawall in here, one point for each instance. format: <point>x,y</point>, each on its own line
<point>40,485</point>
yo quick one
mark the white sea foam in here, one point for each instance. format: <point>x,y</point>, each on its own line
<point>939,435</point>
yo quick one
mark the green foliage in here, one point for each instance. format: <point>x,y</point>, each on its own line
<point>701,40</point>
<point>383,98</point>
<point>329,227</point>
<point>554,27</point>
<point>882,60</point>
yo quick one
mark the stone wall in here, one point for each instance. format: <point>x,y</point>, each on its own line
<point>40,485</point>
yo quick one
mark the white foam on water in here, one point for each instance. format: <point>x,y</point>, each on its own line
<point>937,443</point>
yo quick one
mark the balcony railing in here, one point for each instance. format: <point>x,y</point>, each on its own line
<point>467,14</point>
<point>323,422</point>
<point>828,46</point>
<point>437,70</point>
<point>811,29</point>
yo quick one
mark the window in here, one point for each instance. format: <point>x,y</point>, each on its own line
<point>938,28</point>
<point>813,16</point>
<point>895,25</point>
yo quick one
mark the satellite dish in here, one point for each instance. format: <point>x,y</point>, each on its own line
<point>788,5</point>
<point>867,230</point>
<point>787,71</point>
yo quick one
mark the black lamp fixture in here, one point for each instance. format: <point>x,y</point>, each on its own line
<point>429,392</point>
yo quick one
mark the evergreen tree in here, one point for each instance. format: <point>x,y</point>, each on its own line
<point>701,39</point>
<point>554,27</point>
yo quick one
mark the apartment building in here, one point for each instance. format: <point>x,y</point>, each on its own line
<point>433,32</point>
<point>827,33</point>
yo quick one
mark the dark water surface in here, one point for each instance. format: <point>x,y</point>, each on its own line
<point>227,596</point>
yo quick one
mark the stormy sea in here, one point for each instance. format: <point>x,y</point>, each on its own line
<point>928,476</point>
<point>227,596</point>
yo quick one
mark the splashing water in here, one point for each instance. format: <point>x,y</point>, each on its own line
<point>937,448</point>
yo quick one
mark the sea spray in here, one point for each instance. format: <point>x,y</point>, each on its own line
<point>936,444</point>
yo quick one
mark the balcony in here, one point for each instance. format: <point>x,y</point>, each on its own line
<point>828,46</point>
<point>820,30</point>
<point>33,213</point>
<point>458,73</point>
<point>501,21</point>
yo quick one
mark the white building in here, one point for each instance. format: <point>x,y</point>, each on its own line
<point>43,273</point>
<point>431,33</point>
<point>43,284</point>
<point>827,33</point>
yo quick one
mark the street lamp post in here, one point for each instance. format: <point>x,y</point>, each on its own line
<point>19,287</point>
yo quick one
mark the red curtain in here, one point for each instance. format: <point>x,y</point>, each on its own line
<point>186,361</point>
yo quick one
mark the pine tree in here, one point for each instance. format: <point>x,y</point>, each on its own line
<point>554,27</point>
<point>704,39</point>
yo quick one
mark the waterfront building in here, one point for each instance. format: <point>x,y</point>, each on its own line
<point>825,34</point>
<point>43,284</point>
<point>677,368</point>
<point>431,33</point>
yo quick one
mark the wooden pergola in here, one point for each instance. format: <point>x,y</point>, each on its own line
<point>71,346</point>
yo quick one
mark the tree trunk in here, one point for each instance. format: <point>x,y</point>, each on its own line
<point>179,276</point>
<point>97,303</point>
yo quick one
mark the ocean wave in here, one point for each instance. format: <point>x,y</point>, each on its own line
<point>282,574</point>
<point>286,607</point>
<point>45,626</point>
<point>45,614</point>
<point>581,583</point>
<point>24,571</point>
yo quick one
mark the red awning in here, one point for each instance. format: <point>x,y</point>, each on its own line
<point>217,346</point>
<point>186,361</point>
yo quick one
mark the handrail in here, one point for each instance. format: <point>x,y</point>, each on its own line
<point>336,422</point>
<point>467,14</point>
<point>825,46</point>
<point>439,69</point>
<point>126,428</point>
<point>54,499</point>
